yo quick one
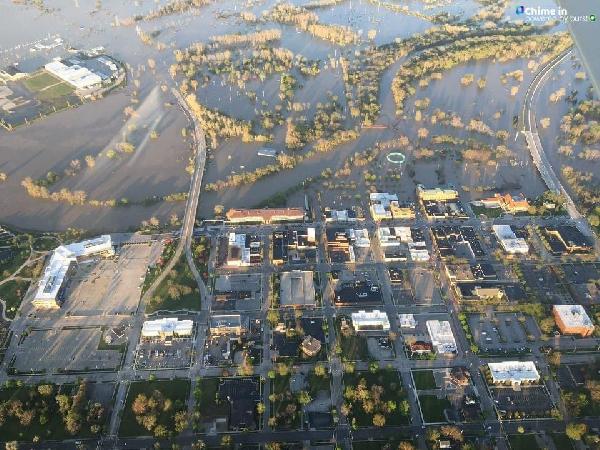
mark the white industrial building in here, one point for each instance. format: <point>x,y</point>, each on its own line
<point>340,215</point>
<point>509,241</point>
<point>52,284</point>
<point>407,321</point>
<point>75,75</point>
<point>441,336</point>
<point>515,372</point>
<point>166,328</point>
<point>371,320</point>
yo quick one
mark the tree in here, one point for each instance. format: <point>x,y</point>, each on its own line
<point>547,324</point>
<point>432,434</point>
<point>226,441</point>
<point>575,431</point>
<point>161,432</point>
<point>320,370</point>
<point>273,316</point>
<point>304,398</point>
<point>452,432</point>
<point>45,390</point>
<point>260,408</point>
<point>404,445</point>
<point>181,421</point>
<point>379,420</point>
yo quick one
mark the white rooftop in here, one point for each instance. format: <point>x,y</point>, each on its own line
<point>573,315</point>
<point>407,321</point>
<point>441,336</point>
<point>60,261</point>
<point>370,319</point>
<point>167,326</point>
<point>514,371</point>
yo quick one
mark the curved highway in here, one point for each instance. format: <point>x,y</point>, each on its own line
<point>540,159</point>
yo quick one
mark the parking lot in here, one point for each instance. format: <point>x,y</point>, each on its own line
<point>531,400</point>
<point>66,349</point>
<point>545,283</point>
<point>584,282</point>
<point>424,286</point>
<point>503,331</point>
<point>237,292</point>
<point>156,355</point>
<point>109,286</point>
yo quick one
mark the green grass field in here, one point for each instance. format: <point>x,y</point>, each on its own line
<point>523,442</point>
<point>177,291</point>
<point>433,408</point>
<point>175,390</point>
<point>424,379</point>
<point>12,292</point>
<point>55,92</point>
<point>392,390</point>
<point>40,80</point>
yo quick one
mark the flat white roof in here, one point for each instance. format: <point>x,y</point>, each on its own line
<point>62,257</point>
<point>369,319</point>
<point>407,320</point>
<point>441,335</point>
<point>513,371</point>
<point>573,315</point>
<point>167,325</point>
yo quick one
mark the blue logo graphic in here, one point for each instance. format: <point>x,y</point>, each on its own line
<point>520,9</point>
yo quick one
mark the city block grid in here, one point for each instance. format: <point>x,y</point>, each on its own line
<point>317,334</point>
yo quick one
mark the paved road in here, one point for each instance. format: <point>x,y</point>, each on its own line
<point>540,158</point>
<point>127,371</point>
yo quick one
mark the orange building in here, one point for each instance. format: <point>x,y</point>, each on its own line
<point>572,319</point>
<point>507,202</point>
<point>265,215</point>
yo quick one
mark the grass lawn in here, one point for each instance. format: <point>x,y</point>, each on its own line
<point>206,400</point>
<point>561,441</point>
<point>176,390</point>
<point>317,383</point>
<point>424,379</point>
<point>354,347</point>
<point>392,391</point>
<point>54,428</point>
<point>285,408</point>
<point>40,80</point>
<point>523,442</point>
<point>177,291</point>
<point>10,266</point>
<point>12,292</point>
<point>45,243</point>
<point>54,92</point>
<point>433,408</point>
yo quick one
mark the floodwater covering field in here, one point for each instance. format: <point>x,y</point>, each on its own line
<point>123,188</point>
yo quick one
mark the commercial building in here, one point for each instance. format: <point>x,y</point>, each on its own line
<point>297,288</point>
<point>509,241</point>
<point>51,287</point>
<point>567,239</point>
<point>370,321</point>
<point>240,250</point>
<point>436,194</point>
<point>508,203</point>
<point>226,324</point>
<point>413,238</point>
<point>420,348</point>
<point>459,241</point>
<point>294,246</point>
<point>84,72</point>
<point>407,321</point>
<point>340,215</point>
<point>360,237</point>
<point>380,203</point>
<point>266,215</point>
<point>572,319</point>
<point>514,372</point>
<point>441,336</point>
<point>167,329</point>
<point>385,206</point>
